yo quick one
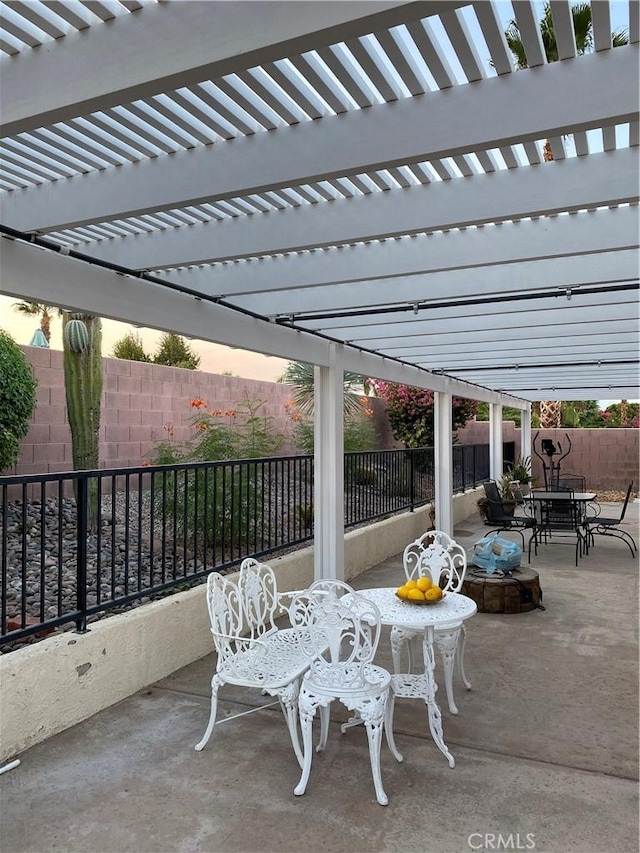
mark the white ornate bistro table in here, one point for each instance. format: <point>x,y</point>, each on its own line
<point>451,611</point>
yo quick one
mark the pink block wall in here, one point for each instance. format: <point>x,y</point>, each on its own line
<point>138,400</point>
<point>608,459</point>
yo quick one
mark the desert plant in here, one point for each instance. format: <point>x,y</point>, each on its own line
<point>217,501</point>
<point>82,363</point>
<point>173,351</point>
<point>17,399</point>
<point>520,470</point>
<point>37,309</point>
<point>130,348</point>
<point>358,430</point>
<point>300,374</point>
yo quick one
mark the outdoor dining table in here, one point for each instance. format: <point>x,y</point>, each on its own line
<point>450,611</point>
<point>562,511</point>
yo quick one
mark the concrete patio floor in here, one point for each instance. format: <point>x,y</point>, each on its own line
<point>546,747</point>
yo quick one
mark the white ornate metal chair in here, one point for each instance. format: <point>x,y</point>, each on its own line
<point>252,651</point>
<point>341,639</point>
<point>437,556</point>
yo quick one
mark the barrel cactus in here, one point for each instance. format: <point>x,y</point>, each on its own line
<point>76,334</point>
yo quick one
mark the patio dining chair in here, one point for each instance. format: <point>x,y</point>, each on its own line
<point>501,520</point>
<point>252,651</point>
<point>608,526</point>
<point>340,632</point>
<point>437,556</point>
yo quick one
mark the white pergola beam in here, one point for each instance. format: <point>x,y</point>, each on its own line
<point>40,275</point>
<point>385,335</point>
<point>608,178</point>
<point>509,279</point>
<point>171,45</point>
<point>411,345</point>
<point>547,237</point>
<point>564,97</point>
<point>539,313</point>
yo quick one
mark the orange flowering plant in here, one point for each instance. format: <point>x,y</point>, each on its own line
<point>359,430</point>
<point>219,434</point>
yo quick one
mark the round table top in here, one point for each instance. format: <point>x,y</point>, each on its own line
<point>451,609</point>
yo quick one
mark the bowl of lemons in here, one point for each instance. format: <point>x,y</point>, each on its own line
<point>420,591</point>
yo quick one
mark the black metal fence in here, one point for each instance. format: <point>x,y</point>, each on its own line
<point>78,545</point>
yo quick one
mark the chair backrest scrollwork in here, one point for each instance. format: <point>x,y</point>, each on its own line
<point>437,556</point>
<point>340,631</point>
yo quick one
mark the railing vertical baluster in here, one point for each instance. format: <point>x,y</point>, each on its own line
<point>99,543</point>
<point>113,535</point>
<point>43,541</point>
<point>139,544</point>
<point>60,544</point>
<point>127,513</point>
<point>205,518</point>
<point>196,515</point>
<point>81,553</point>
<point>152,525</point>
<point>23,561</point>
<point>3,559</point>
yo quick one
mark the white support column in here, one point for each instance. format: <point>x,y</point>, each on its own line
<point>443,462</point>
<point>495,441</point>
<point>525,432</point>
<point>328,488</point>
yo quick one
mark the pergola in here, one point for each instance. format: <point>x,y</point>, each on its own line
<point>359,185</point>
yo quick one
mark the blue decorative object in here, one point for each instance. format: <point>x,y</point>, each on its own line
<point>493,553</point>
<point>39,340</point>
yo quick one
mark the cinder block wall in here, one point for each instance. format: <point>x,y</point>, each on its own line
<point>607,458</point>
<point>140,403</point>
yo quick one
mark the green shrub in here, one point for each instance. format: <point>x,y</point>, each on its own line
<point>175,352</point>
<point>188,498</point>
<point>130,348</point>
<point>17,399</point>
<point>358,430</point>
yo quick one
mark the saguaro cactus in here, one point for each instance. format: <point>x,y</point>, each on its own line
<point>83,386</point>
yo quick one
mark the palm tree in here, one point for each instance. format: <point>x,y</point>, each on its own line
<point>301,375</point>
<point>551,410</point>
<point>37,309</point>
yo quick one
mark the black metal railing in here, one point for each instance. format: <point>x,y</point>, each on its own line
<point>75,546</point>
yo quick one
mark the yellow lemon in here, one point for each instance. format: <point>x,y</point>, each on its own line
<point>415,595</point>
<point>411,584</point>
<point>424,584</point>
<point>402,592</point>
<point>433,594</point>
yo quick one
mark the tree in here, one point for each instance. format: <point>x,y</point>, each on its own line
<point>551,410</point>
<point>37,309</point>
<point>300,374</point>
<point>410,412</point>
<point>17,399</point>
<point>130,348</point>
<point>173,351</point>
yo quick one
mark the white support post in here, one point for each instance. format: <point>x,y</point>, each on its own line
<point>443,462</point>
<point>495,441</point>
<point>525,432</point>
<point>328,488</point>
